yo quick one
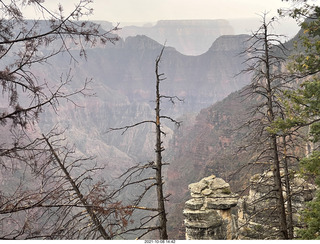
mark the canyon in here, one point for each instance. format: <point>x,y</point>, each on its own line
<point>124,87</point>
<point>122,84</point>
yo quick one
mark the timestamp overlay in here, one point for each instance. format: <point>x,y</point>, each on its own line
<point>159,241</point>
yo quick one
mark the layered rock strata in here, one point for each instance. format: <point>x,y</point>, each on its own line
<point>208,213</point>
<point>215,213</point>
<point>257,213</point>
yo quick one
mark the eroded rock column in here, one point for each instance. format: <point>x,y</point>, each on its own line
<point>208,214</point>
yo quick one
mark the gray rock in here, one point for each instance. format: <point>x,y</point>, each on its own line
<point>206,192</point>
<point>221,203</point>
<point>208,179</point>
<point>208,214</point>
<point>219,183</point>
<point>194,203</point>
<point>196,188</point>
<point>202,219</point>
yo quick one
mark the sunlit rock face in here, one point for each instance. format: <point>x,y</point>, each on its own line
<point>208,213</point>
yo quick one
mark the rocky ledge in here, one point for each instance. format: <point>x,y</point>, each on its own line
<point>214,212</point>
<point>208,214</point>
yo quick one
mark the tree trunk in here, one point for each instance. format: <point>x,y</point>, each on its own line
<point>274,143</point>
<point>89,210</point>
<point>159,149</point>
<point>288,190</point>
<point>278,188</point>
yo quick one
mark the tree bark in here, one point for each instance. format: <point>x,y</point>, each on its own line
<point>274,143</point>
<point>278,189</point>
<point>158,163</point>
<point>288,190</point>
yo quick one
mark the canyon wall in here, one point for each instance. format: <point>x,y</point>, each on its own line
<point>190,37</point>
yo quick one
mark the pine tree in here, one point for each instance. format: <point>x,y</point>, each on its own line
<point>303,105</point>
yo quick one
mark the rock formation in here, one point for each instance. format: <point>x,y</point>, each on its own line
<point>214,212</point>
<point>208,214</point>
<point>257,215</point>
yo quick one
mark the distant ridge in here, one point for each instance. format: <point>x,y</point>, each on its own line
<point>189,37</point>
<point>194,37</point>
<point>229,43</point>
<point>141,42</point>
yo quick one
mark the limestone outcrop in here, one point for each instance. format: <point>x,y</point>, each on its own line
<point>208,213</point>
<point>257,214</point>
<point>215,213</point>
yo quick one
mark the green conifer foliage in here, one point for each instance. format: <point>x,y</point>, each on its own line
<point>311,215</point>
<point>303,107</point>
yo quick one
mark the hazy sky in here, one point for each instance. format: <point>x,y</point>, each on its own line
<point>153,10</point>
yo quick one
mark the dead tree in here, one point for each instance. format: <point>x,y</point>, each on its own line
<point>95,220</point>
<point>27,43</point>
<point>270,146</point>
<point>31,204</point>
<point>22,45</point>
<point>59,198</point>
<point>157,165</point>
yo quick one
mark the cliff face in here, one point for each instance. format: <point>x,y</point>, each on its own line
<point>229,43</point>
<point>204,145</point>
<point>190,37</point>
<point>208,144</point>
<point>124,86</point>
<point>257,212</point>
<point>128,68</point>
